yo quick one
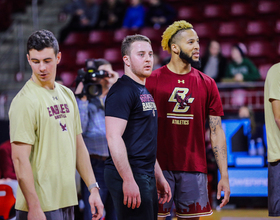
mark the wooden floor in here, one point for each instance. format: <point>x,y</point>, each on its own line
<point>238,214</point>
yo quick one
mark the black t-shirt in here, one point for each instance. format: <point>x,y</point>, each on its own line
<point>131,101</point>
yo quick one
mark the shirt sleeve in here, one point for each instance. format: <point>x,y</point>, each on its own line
<point>83,110</point>
<point>215,105</point>
<point>23,122</point>
<point>119,103</point>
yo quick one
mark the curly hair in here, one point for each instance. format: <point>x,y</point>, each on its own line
<point>171,31</point>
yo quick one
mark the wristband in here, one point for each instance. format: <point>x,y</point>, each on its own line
<point>94,185</point>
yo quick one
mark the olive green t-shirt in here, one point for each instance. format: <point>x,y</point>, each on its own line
<point>272,91</point>
<point>49,121</point>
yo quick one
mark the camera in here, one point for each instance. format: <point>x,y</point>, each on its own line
<point>89,77</point>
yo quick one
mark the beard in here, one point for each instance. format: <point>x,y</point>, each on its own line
<point>184,56</point>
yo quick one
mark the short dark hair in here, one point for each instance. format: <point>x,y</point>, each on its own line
<point>42,39</point>
<point>99,62</point>
<point>128,40</point>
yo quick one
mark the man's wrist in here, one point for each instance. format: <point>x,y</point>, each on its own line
<point>94,185</point>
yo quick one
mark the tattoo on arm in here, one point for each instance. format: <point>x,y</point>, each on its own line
<point>214,121</point>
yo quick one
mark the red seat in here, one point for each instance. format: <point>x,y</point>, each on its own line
<point>79,39</point>
<point>83,55</point>
<point>113,55</point>
<point>204,30</point>
<point>215,11</point>
<point>263,69</point>
<point>261,49</point>
<point>5,14</point>
<point>226,49</point>
<point>68,78</point>
<point>67,58</point>
<point>258,28</point>
<point>277,26</point>
<point>231,29</point>
<point>100,37</point>
<point>120,34</point>
<point>189,13</point>
<point>241,9</point>
<point>268,7</point>
<point>7,200</point>
<point>153,34</point>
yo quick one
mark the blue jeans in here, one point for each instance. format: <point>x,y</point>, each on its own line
<point>149,202</point>
<point>98,169</point>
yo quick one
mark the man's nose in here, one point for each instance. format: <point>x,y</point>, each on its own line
<point>42,67</point>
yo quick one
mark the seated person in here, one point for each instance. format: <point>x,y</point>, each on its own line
<point>112,14</point>
<point>84,17</point>
<point>159,14</point>
<point>213,63</point>
<point>135,15</point>
<point>241,68</point>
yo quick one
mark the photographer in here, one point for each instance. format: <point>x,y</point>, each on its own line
<point>92,115</point>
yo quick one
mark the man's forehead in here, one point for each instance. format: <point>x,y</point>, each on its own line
<point>46,52</point>
<point>189,34</point>
<point>141,46</point>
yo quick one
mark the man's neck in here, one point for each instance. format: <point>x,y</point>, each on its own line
<point>178,66</point>
<point>140,80</point>
<point>47,85</point>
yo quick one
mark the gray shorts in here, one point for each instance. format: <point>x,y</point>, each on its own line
<point>189,193</point>
<point>60,214</point>
<point>274,188</point>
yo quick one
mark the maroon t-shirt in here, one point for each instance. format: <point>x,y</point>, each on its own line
<point>184,101</point>
<point>6,164</point>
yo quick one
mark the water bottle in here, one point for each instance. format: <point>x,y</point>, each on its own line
<point>252,148</point>
<point>260,148</point>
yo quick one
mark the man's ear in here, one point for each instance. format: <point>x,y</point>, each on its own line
<point>28,58</point>
<point>126,60</point>
<point>58,57</point>
<point>175,48</point>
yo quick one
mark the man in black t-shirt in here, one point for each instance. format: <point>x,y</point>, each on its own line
<point>132,173</point>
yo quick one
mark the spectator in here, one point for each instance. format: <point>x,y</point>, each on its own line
<point>213,63</point>
<point>84,17</point>
<point>92,115</point>
<point>135,15</point>
<point>7,171</point>
<point>112,14</point>
<point>241,68</point>
<point>159,14</point>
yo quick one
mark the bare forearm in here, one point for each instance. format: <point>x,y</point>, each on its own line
<point>119,155</point>
<point>26,182</point>
<point>218,142</point>
<point>158,171</point>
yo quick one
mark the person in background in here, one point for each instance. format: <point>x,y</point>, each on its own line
<point>213,63</point>
<point>241,68</point>
<point>272,124</point>
<point>47,144</point>
<point>132,173</point>
<point>7,170</point>
<point>111,14</point>
<point>84,17</point>
<point>185,98</point>
<point>135,15</point>
<point>92,113</point>
<point>159,14</point>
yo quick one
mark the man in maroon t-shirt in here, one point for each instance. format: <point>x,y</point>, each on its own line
<point>185,97</point>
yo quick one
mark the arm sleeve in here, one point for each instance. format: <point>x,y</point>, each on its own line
<point>23,122</point>
<point>215,103</point>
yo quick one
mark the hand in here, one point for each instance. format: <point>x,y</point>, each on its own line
<point>238,77</point>
<point>95,204</point>
<point>131,194</point>
<point>164,191</point>
<point>223,185</point>
<point>36,214</point>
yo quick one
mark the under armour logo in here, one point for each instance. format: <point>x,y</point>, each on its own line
<point>55,98</point>
<point>181,81</point>
<point>64,128</point>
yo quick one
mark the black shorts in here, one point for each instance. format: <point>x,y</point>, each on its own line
<point>274,188</point>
